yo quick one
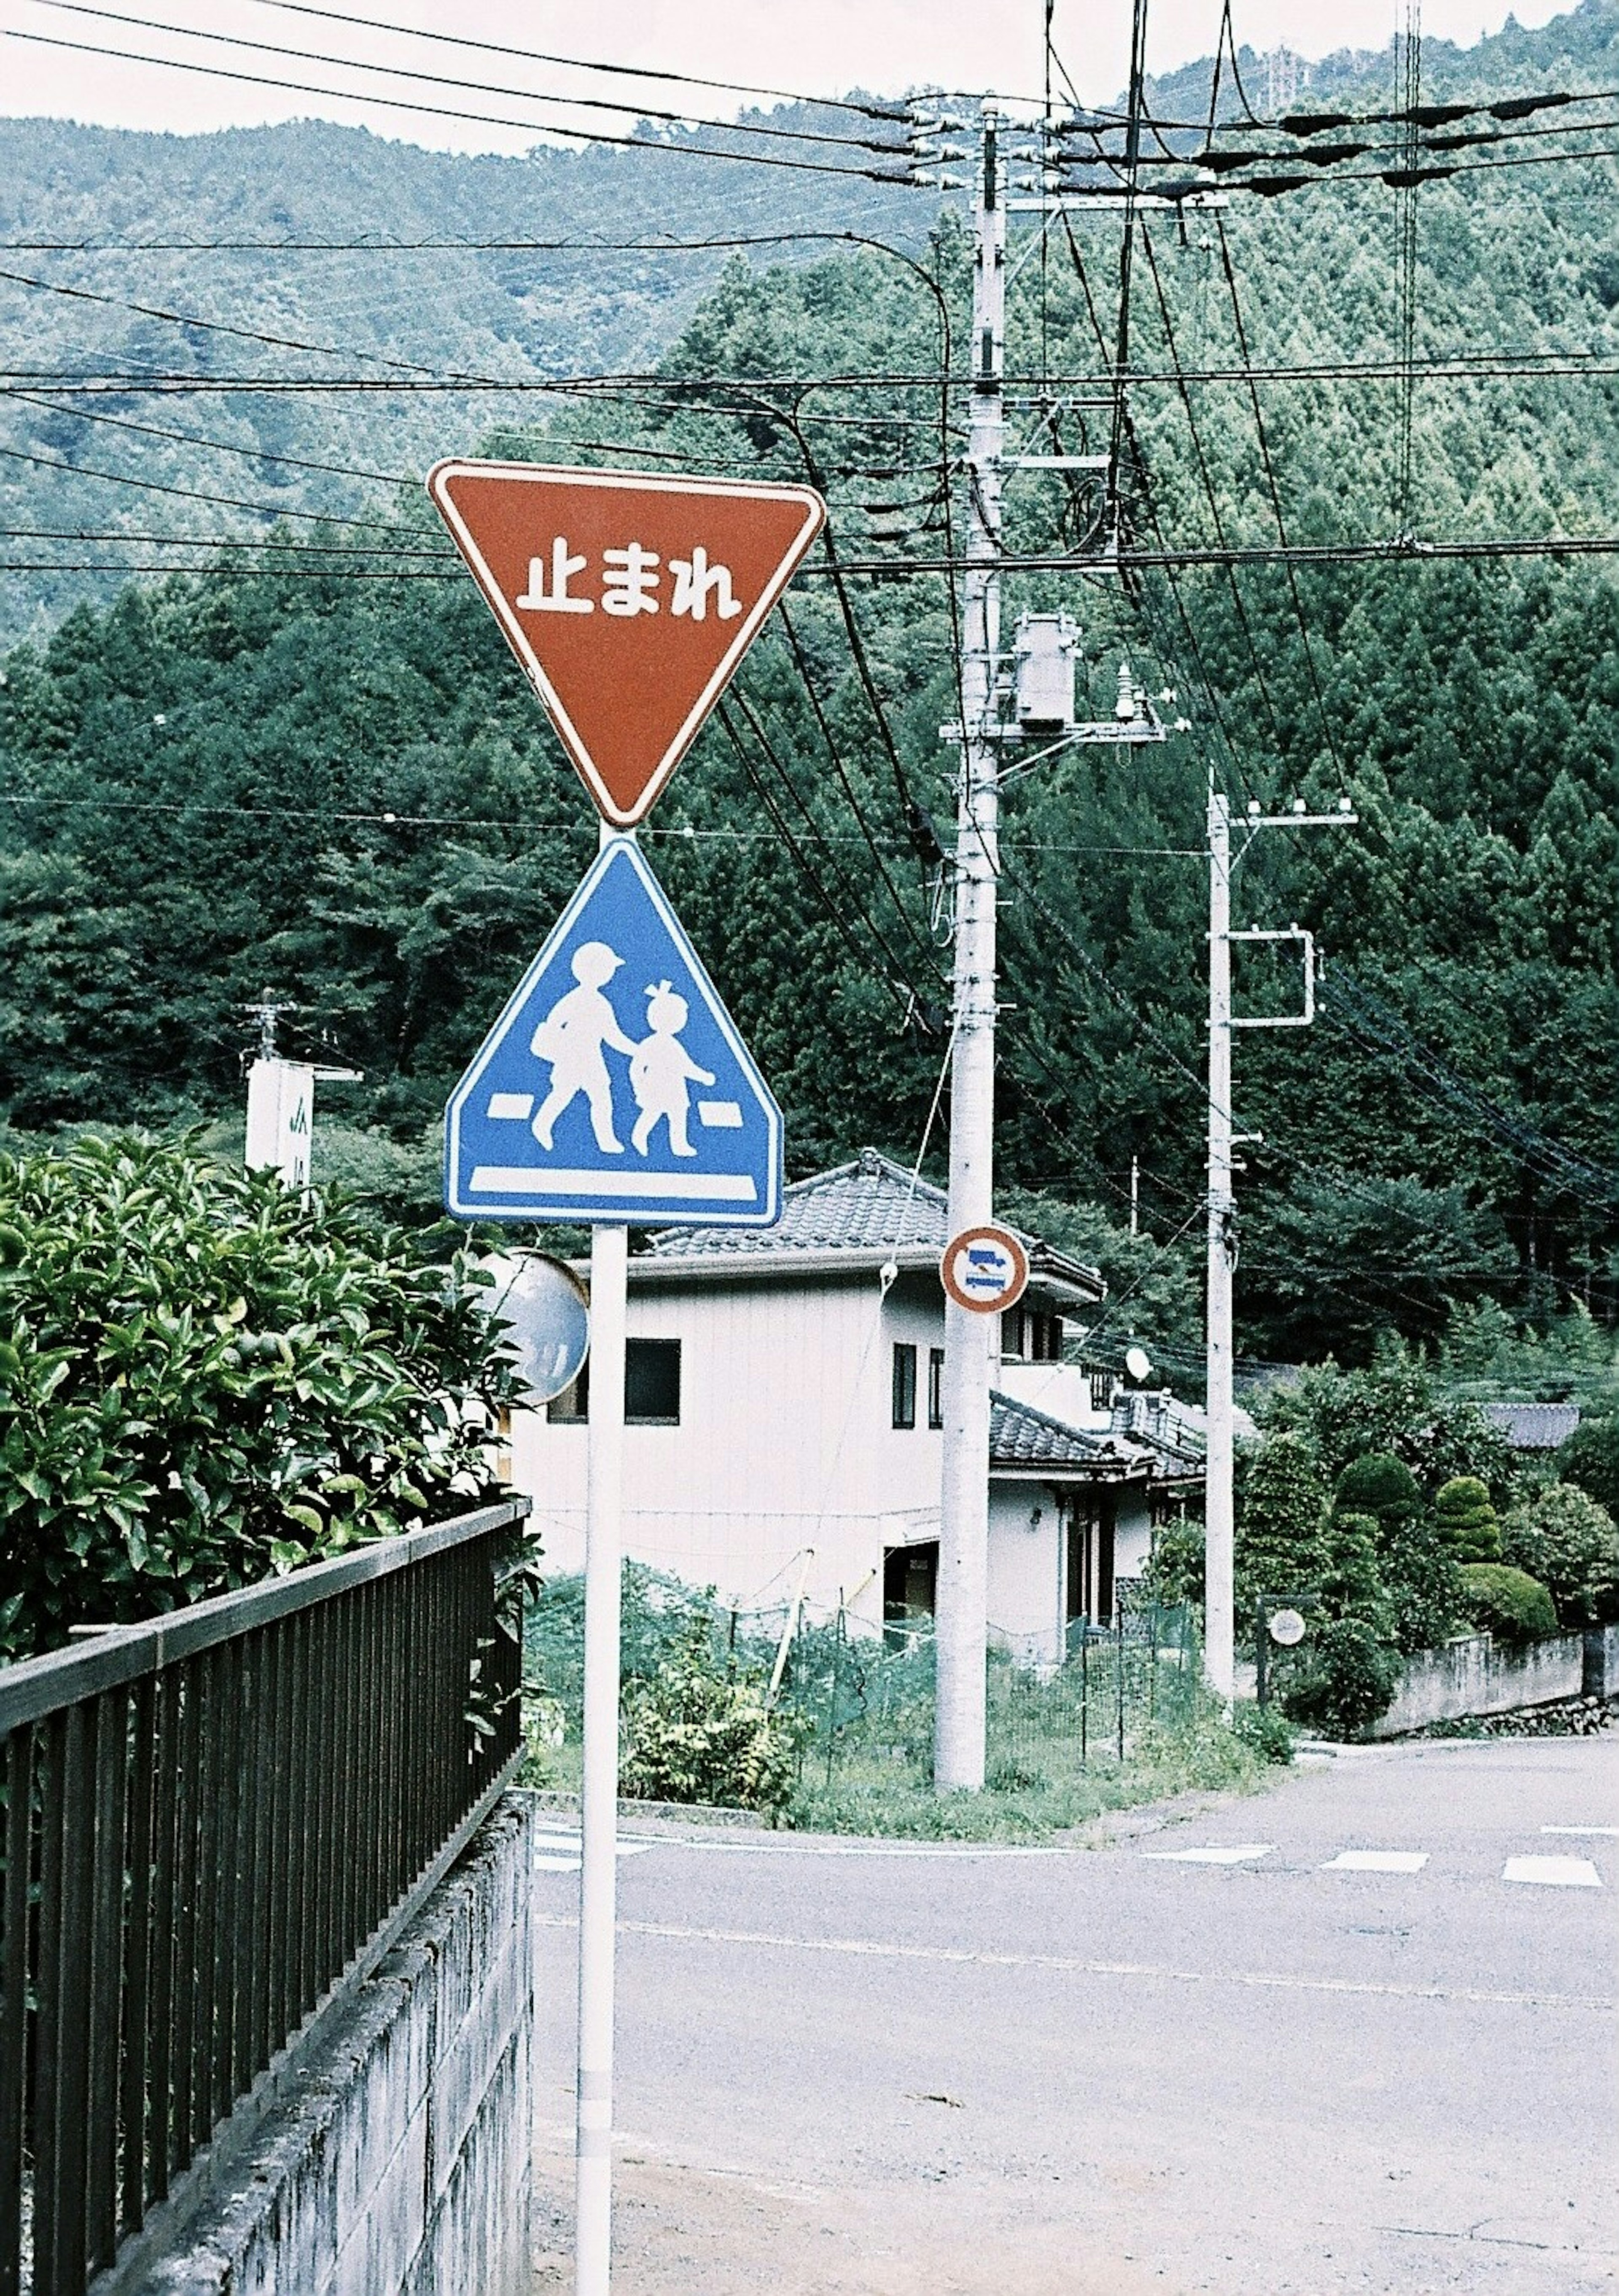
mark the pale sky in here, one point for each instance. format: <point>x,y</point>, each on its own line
<point>820,47</point>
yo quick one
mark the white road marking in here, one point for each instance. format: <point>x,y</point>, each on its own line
<point>1236,1853</point>
<point>1609,1832</point>
<point>559,1853</point>
<point>1553,1873</point>
<point>828,1846</point>
<point>1377,1861</point>
<point>879,1949</point>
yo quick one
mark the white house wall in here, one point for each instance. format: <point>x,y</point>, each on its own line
<point>732,1496</point>
<point>1027,1563</point>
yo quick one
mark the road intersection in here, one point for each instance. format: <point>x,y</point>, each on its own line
<point>1355,2033</point>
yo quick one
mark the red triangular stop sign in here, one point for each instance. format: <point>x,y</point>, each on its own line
<point>629,600</point>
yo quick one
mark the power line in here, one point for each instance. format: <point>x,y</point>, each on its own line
<point>584,63</point>
<point>469,87</point>
<point>587,137</point>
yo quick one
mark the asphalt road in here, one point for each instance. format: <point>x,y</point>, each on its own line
<point>1118,2069</point>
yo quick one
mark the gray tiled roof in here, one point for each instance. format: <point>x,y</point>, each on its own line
<point>871,1204</point>
<point>1019,1436</point>
<point>1534,1426</point>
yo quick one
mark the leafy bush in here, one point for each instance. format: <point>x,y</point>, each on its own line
<point>1415,1564</point>
<point>1571,1545</point>
<point>1590,1457</point>
<point>1468,1521</point>
<point>203,1379</point>
<point>1174,1568</point>
<point>1342,1678</point>
<point>698,1731</point>
<point>1262,1730</point>
<point>1507,1603</point>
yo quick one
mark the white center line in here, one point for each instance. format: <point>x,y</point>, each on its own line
<point>1553,1873</point>
<point>881,1949</point>
<point>1609,1832</point>
<point>1377,1861</point>
<point>1235,1853</point>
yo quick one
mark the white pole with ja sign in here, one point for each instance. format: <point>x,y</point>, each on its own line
<point>614,1090</point>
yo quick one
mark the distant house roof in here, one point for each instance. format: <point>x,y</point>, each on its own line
<point>850,1220</point>
<point>1020,1437</point>
<point>1534,1426</point>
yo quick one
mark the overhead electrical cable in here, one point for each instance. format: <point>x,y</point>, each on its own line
<point>586,63</point>
<point>467,86</point>
<point>579,135</point>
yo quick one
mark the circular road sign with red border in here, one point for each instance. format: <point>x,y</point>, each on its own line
<point>984,1269</point>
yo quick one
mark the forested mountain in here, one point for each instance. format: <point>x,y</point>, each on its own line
<point>335,784</point>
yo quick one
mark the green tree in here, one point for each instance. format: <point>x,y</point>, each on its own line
<point>1571,1545</point>
<point>1414,1561</point>
<point>1281,1545</point>
<point>1395,1406</point>
<point>1590,1457</point>
<point>204,1379</point>
<point>1467,1522</point>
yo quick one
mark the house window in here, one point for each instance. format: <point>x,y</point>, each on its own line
<point>651,1383</point>
<point>905,1384</point>
<point>1031,1335</point>
<point>1102,1384</point>
<point>651,1388</point>
<point>935,1387</point>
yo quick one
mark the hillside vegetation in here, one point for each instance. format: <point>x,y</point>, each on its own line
<point>340,788</point>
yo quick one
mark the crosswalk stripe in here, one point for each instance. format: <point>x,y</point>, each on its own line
<point>1553,1873</point>
<point>1236,1853</point>
<point>1377,1861</point>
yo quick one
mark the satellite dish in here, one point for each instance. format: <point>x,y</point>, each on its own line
<point>1138,1363</point>
<point>545,1312</point>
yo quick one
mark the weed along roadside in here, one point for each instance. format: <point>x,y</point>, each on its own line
<point>846,1745</point>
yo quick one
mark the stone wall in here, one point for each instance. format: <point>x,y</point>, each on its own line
<point>403,2169</point>
<point>1478,1676</point>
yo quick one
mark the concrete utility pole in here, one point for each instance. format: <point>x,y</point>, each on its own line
<point>970,1341</point>
<point>1219,1656</point>
<point>1219,1511</point>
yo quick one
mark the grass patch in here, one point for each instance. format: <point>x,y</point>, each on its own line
<point>1033,1805</point>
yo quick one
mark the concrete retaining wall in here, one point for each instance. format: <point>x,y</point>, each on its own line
<point>404,2168</point>
<point>1478,1676</point>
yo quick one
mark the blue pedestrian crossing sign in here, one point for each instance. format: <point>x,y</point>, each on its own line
<point>614,1088</point>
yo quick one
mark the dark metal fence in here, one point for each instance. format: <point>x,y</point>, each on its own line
<point>216,1823</point>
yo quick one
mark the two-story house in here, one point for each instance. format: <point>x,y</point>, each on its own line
<point>783,1393</point>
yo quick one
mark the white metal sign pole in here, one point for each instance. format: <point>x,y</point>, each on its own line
<point>599,1811</point>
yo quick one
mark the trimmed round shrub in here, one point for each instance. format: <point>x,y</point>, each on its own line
<point>1414,1558</point>
<point>1464,1515</point>
<point>1507,1603</point>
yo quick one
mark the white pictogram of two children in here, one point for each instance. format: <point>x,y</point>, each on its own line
<point>579,1031</point>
